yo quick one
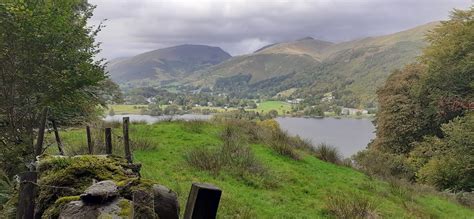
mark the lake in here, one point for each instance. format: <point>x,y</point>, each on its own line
<point>348,135</point>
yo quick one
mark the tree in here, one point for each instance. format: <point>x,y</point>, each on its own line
<point>425,109</point>
<point>448,162</point>
<point>399,120</point>
<point>46,60</point>
<point>448,86</point>
<point>338,110</point>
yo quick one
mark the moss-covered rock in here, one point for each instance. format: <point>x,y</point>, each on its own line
<point>62,180</point>
<point>61,176</point>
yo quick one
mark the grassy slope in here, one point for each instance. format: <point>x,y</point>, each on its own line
<point>302,185</point>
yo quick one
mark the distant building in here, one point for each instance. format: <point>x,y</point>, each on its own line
<point>295,101</point>
<point>353,111</point>
<point>328,97</point>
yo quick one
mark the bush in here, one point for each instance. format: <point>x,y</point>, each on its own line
<point>281,143</point>
<point>328,153</point>
<point>142,144</point>
<point>234,154</point>
<point>376,163</point>
<point>349,205</point>
<point>238,159</point>
<point>205,159</point>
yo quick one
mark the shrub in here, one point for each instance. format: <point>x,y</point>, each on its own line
<point>328,153</point>
<point>281,143</point>
<point>349,205</point>
<point>376,163</point>
<point>142,144</point>
<point>234,154</point>
<point>204,159</point>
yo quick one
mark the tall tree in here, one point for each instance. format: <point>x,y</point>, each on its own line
<point>399,119</point>
<point>46,60</point>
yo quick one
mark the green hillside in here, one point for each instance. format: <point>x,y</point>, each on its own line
<point>266,184</point>
<point>351,69</point>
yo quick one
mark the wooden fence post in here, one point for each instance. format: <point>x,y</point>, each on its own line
<point>26,196</point>
<point>203,201</point>
<point>58,139</point>
<point>39,141</point>
<point>90,146</point>
<point>126,139</point>
<point>108,141</point>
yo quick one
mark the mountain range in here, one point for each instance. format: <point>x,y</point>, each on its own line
<point>307,67</point>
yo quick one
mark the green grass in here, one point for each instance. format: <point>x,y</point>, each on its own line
<point>121,109</point>
<point>280,106</point>
<point>300,189</point>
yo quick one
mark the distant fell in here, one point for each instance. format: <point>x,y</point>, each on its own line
<point>166,64</point>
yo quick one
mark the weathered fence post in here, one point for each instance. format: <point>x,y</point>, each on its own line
<point>26,198</point>
<point>39,141</point>
<point>90,146</point>
<point>58,139</point>
<point>203,201</point>
<point>143,205</point>
<point>126,139</point>
<point>108,140</point>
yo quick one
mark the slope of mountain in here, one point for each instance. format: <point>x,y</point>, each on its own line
<point>166,64</point>
<point>352,70</point>
<point>305,46</point>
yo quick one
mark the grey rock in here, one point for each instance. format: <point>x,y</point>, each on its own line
<point>100,192</point>
<point>119,208</point>
<point>165,202</point>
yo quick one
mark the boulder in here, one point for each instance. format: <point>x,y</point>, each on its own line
<point>119,208</point>
<point>165,202</point>
<point>101,192</point>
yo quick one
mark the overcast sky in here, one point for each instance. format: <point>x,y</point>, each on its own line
<point>242,26</point>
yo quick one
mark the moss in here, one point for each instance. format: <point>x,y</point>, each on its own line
<point>70,176</point>
<point>128,186</point>
<point>125,208</point>
<point>67,199</point>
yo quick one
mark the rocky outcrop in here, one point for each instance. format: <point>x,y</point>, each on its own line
<point>97,186</point>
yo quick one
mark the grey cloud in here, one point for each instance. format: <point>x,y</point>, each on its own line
<point>242,26</point>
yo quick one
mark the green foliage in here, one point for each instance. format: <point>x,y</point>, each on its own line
<point>6,188</point>
<point>448,162</point>
<point>46,60</point>
<point>377,163</point>
<point>424,123</point>
<point>399,119</point>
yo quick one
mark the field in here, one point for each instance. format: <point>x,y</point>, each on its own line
<point>125,109</point>
<point>280,106</point>
<point>292,189</point>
